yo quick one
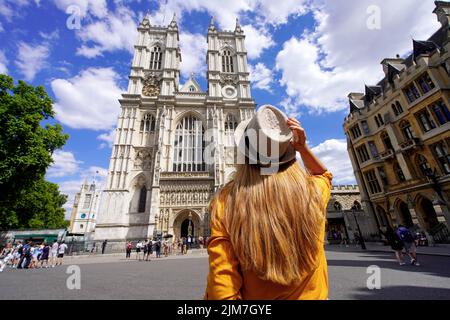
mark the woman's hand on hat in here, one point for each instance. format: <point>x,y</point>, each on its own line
<point>299,140</point>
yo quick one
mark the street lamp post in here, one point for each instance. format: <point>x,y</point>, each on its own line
<point>361,238</point>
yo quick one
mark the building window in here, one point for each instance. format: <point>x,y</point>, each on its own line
<point>424,166</point>
<point>386,140</point>
<point>406,129</point>
<point>373,149</point>
<point>189,146</point>
<point>363,154</point>
<point>383,176</point>
<point>148,124</point>
<point>425,120</point>
<point>191,89</point>
<point>365,127</point>
<point>227,61</point>
<point>399,172</point>
<point>357,206</point>
<point>230,126</point>
<point>356,132</point>
<point>142,199</point>
<point>443,156</point>
<point>379,120</point>
<point>372,181</point>
<point>87,201</point>
<point>156,58</point>
<point>337,206</point>
<point>441,112</point>
<point>425,83</point>
<point>412,93</point>
<point>81,226</point>
<point>397,108</point>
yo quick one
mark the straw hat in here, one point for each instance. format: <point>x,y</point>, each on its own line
<point>265,139</point>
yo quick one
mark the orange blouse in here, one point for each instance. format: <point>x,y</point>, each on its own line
<point>227,282</point>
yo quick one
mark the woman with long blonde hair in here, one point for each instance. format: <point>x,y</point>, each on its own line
<point>268,223</point>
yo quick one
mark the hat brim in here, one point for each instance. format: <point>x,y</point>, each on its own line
<point>239,139</point>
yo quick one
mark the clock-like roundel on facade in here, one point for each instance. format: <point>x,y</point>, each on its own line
<point>152,85</point>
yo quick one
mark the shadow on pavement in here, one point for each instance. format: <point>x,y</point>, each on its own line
<point>403,293</point>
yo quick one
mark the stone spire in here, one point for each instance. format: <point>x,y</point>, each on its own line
<point>146,21</point>
<point>212,25</point>
<point>238,26</point>
<point>173,24</point>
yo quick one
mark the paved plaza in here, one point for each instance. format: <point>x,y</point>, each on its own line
<point>112,277</point>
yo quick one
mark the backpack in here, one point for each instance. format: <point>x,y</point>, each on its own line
<point>405,235</point>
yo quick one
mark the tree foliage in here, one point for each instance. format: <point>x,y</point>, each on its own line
<point>26,148</point>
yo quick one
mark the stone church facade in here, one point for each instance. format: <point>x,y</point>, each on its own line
<point>174,144</point>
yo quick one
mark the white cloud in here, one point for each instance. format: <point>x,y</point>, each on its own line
<point>193,50</point>
<point>117,31</point>
<point>277,12</point>
<point>3,63</point>
<point>64,164</point>
<point>333,153</point>
<point>89,100</point>
<point>108,139</point>
<point>1,27</point>
<point>321,67</point>
<point>12,8</point>
<point>256,41</point>
<point>261,77</point>
<point>31,59</point>
<point>50,36</point>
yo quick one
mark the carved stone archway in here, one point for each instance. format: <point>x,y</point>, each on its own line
<point>180,223</point>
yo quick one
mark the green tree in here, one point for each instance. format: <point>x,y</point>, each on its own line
<point>26,150</point>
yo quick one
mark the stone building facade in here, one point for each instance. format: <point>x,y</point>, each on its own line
<point>399,138</point>
<point>83,216</point>
<point>346,215</point>
<point>174,144</point>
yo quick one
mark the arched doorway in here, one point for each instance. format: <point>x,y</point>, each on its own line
<point>428,214</point>
<point>405,215</point>
<point>383,217</point>
<point>181,225</point>
<point>187,228</point>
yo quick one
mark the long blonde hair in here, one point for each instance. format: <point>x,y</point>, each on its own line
<point>274,221</point>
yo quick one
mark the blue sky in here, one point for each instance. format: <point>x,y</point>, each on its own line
<point>305,56</point>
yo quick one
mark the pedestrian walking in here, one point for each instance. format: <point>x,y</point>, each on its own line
<point>61,251</point>
<point>6,255</point>
<point>145,249</point>
<point>54,253</point>
<point>395,242</point>
<point>158,249</point>
<point>104,244</point>
<point>409,242</point>
<point>268,224</point>
<point>149,250</point>
<point>128,249</point>
<point>45,255</point>
<point>138,250</point>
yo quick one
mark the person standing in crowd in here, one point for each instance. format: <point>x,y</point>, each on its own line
<point>104,246</point>
<point>25,259</point>
<point>268,224</point>
<point>158,248</point>
<point>128,249</point>
<point>409,242</point>
<point>184,246</point>
<point>149,250</point>
<point>395,242</point>
<point>145,249</point>
<point>36,254</point>
<point>54,253</point>
<point>6,255</point>
<point>18,251</point>
<point>138,250</point>
<point>45,255</point>
<point>61,251</point>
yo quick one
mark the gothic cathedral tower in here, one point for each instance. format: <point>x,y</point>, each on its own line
<point>174,145</point>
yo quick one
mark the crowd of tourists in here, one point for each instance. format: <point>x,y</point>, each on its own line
<point>31,255</point>
<point>163,247</point>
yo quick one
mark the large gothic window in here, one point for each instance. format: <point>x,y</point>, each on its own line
<point>227,61</point>
<point>156,58</point>
<point>423,165</point>
<point>230,126</point>
<point>189,146</point>
<point>148,123</point>
<point>142,199</point>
